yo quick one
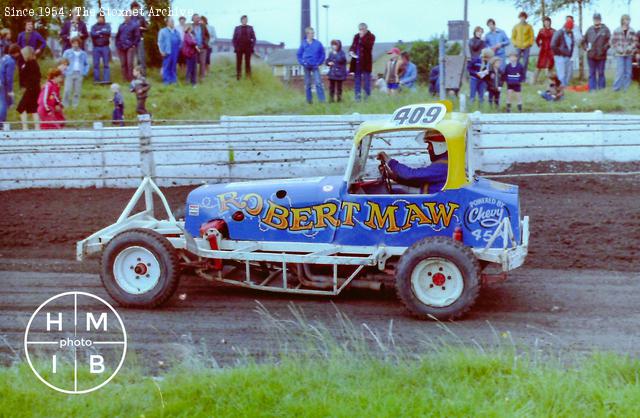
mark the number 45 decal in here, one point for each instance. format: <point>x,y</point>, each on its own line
<point>421,114</point>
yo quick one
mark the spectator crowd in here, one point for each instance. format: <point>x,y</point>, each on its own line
<point>187,44</point>
<point>489,69</point>
<point>497,63</point>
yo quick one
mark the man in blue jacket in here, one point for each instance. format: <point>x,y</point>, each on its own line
<point>430,179</point>
<point>410,74</point>
<point>311,55</point>
<point>101,37</point>
<point>7,70</point>
<point>497,40</point>
<point>31,38</point>
<point>127,40</point>
<point>169,45</point>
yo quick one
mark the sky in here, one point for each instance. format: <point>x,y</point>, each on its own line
<point>279,20</point>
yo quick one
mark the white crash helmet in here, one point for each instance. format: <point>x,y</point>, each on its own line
<point>439,147</point>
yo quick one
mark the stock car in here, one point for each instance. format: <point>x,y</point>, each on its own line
<point>320,235</point>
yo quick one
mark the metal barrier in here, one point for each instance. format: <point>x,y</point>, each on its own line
<point>267,147</point>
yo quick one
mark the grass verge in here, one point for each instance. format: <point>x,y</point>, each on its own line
<point>220,94</point>
<point>352,372</point>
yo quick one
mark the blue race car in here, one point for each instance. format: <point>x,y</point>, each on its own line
<point>434,232</point>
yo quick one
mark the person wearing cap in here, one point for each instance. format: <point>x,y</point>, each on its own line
<point>562,45</point>
<point>391,71</point>
<point>497,40</point>
<point>596,43</point>
<point>522,38</point>
<point>429,179</point>
<point>623,43</point>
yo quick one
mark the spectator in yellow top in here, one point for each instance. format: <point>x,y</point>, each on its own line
<point>522,38</point>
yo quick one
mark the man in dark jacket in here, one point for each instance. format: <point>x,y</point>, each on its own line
<point>596,43</point>
<point>137,15</point>
<point>100,37</point>
<point>127,39</point>
<point>244,40</point>
<point>362,59</point>
<point>73,28</point>
<point>562,45</point>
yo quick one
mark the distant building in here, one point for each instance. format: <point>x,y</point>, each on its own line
<point>284,62</point>
<point>262,48</point>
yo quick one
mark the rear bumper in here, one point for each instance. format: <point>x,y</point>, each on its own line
<point>509,257</point>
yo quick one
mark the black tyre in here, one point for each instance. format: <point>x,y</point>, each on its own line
<point>140,269</point>
<point>438,277</point>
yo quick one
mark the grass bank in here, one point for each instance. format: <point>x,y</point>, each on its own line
<point>452,383</point>
<point>349,371</point>
<point>220,94</point>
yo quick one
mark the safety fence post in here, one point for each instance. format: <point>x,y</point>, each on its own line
<point>98,135</point>
<point>147,165</point>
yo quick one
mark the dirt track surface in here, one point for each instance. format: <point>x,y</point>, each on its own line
<point>570,310</point>
<point>576,222</point>
<point>577,292</point>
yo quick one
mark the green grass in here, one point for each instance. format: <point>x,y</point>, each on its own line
<point>348,372</point>
<point>450,383</point>
<point>221,94</point>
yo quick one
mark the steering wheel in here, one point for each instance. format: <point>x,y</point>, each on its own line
<point>386,175</point>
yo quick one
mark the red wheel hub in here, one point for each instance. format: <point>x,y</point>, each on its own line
<point>438,279</point>
<point>140,268</point>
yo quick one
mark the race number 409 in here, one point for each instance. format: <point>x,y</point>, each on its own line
<point>429,114</point>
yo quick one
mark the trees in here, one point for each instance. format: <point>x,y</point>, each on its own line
<point>45,14</point>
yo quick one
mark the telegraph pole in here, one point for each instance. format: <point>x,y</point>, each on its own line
<point>305,16</point>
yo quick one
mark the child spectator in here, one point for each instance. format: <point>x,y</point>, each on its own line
<point>141,88</point>
<point>49,103</point>
<point>391,72</point>
<point>381,84</point>
<point>190,53</point>
<point>434,80</point>
<point>5,41</point>
<point>75,72</point>
<point>337,63</point>
<point>62,65</point>
<point>494,81</point>
<point>31,81</point>
<point>118,105</point>
<point>478,69</point>
<point>555,91</point>
<point>514,75</point>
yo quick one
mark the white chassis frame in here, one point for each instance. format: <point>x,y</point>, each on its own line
<point>509,257</point>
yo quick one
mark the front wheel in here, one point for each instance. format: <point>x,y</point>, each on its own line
<point>140,269</point>
<point>438,277</point>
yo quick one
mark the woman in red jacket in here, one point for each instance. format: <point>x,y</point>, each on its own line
<point>190,53</point>
<point>49,103</point>
<point>543,40</point>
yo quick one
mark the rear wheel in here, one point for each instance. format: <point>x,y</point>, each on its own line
<point>140,269</point>
<point>438,277</point>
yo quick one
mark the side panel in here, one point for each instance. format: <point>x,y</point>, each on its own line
<point>300,210</point>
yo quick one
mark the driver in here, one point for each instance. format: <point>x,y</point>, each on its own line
<point>431,178</point>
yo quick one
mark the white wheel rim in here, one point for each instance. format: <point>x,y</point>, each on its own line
<point>136,270</point>
<point>437,282</point>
